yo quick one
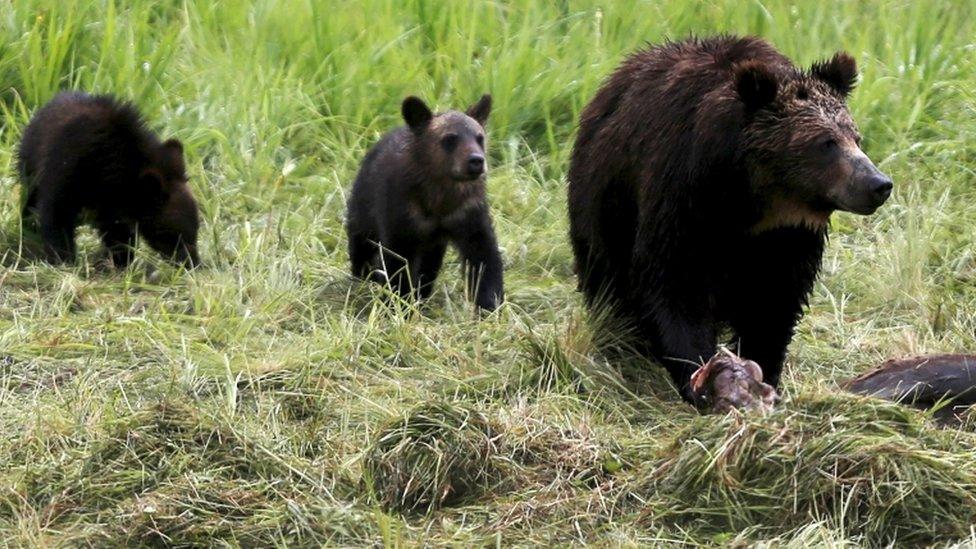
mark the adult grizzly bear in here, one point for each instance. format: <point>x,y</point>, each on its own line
<point>700,189</point>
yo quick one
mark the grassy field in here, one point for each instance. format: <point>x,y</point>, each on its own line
<point>270,399</point>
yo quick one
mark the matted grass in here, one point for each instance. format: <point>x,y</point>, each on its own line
<point>439,454</point>
<point>242,403</point>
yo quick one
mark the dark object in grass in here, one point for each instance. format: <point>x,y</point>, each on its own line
<point>728,382</point>
<point>91,159</point>
<point>437,455</point>
<point>923,382</point>
<point>421,188</point>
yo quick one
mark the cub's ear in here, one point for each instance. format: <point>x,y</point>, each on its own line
<point>416,113</point>
<point>173,154</point>
<point>839,72</point>
<point>755,83</point>
<point>480,110</point>
<point>173,146</point>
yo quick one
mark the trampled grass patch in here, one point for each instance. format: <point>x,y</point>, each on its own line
<point>245,402</point>
<point>874,471</point>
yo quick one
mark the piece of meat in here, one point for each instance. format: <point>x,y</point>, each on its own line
<point>727,381</point>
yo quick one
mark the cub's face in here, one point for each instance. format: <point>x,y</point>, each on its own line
<point>452,145</point>
<point>801,143</point>
<point>171,228</point>
<point>173,232</point>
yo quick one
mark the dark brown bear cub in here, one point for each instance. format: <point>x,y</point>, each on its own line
<point>700,190</point>
<point>420,188</point>
<point>90,158</point>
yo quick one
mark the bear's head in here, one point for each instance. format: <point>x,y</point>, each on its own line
<point>800,144</point>
<point>450,146</point>
<point>171,226</point>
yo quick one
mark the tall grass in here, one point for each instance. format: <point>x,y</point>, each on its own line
<point>240,402</point>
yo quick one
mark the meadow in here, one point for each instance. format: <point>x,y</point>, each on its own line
<point>270,399</point>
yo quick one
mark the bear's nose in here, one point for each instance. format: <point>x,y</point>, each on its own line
<point>476,164</point>
<point>881,185</point>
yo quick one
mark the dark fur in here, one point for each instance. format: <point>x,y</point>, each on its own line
<point>414,196</point>
<point>87,158</point>
<point>701,184</point>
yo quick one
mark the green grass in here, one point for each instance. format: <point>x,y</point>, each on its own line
<point>249,402</point>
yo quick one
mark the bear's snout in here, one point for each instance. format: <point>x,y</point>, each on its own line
<point>871,187</point>
<point>476,165</point>
<point>881,185</point>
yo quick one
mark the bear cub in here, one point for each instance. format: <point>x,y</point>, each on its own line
<point>90,159</point>
<point>420,188</point>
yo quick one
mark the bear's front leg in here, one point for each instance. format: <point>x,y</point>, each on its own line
<point>765,301</point>
<point>763,335</point>
<point>120,241</point>
<point>681,342</point>
<point>475,241</point>
<point>362,253</point>
<point>57,220</point>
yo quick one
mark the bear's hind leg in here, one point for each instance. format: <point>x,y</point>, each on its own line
<point>604,250</point>
<point>398,261</point>
<point>430,261</point>
<point>591,270</point>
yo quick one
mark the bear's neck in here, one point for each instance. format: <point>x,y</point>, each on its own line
<point>780,212</point>
<point>442,198</point>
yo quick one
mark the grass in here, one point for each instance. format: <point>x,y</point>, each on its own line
<point>251,402</point>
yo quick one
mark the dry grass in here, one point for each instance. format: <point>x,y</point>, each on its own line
<point>245,403</point>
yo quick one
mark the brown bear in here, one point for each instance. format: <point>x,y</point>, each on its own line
<point>701,185</point>
<point>90,158</point>
<point>420,188</point>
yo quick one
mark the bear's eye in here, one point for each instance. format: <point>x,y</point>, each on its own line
<point>480,139</point>
<point>449,141</point>
<point>828,144</point>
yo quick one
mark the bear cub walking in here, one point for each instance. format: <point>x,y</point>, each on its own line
<point>420,188</point>
<point>90,159</point>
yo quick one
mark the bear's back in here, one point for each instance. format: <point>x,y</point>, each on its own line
<point>668,110</point>
<point>92,133</point>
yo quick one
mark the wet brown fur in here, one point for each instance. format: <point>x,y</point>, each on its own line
<point>700,190</point>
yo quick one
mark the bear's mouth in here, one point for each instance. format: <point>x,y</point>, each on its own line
<point>467,178</point>
<point>862,208</point>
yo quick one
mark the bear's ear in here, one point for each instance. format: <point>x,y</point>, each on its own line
<point>839,72</point>
<point>480,110</point>
<point>755,83</point>
<point>416,113</point>
<point>173,153</point>
<point>173,146</point>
